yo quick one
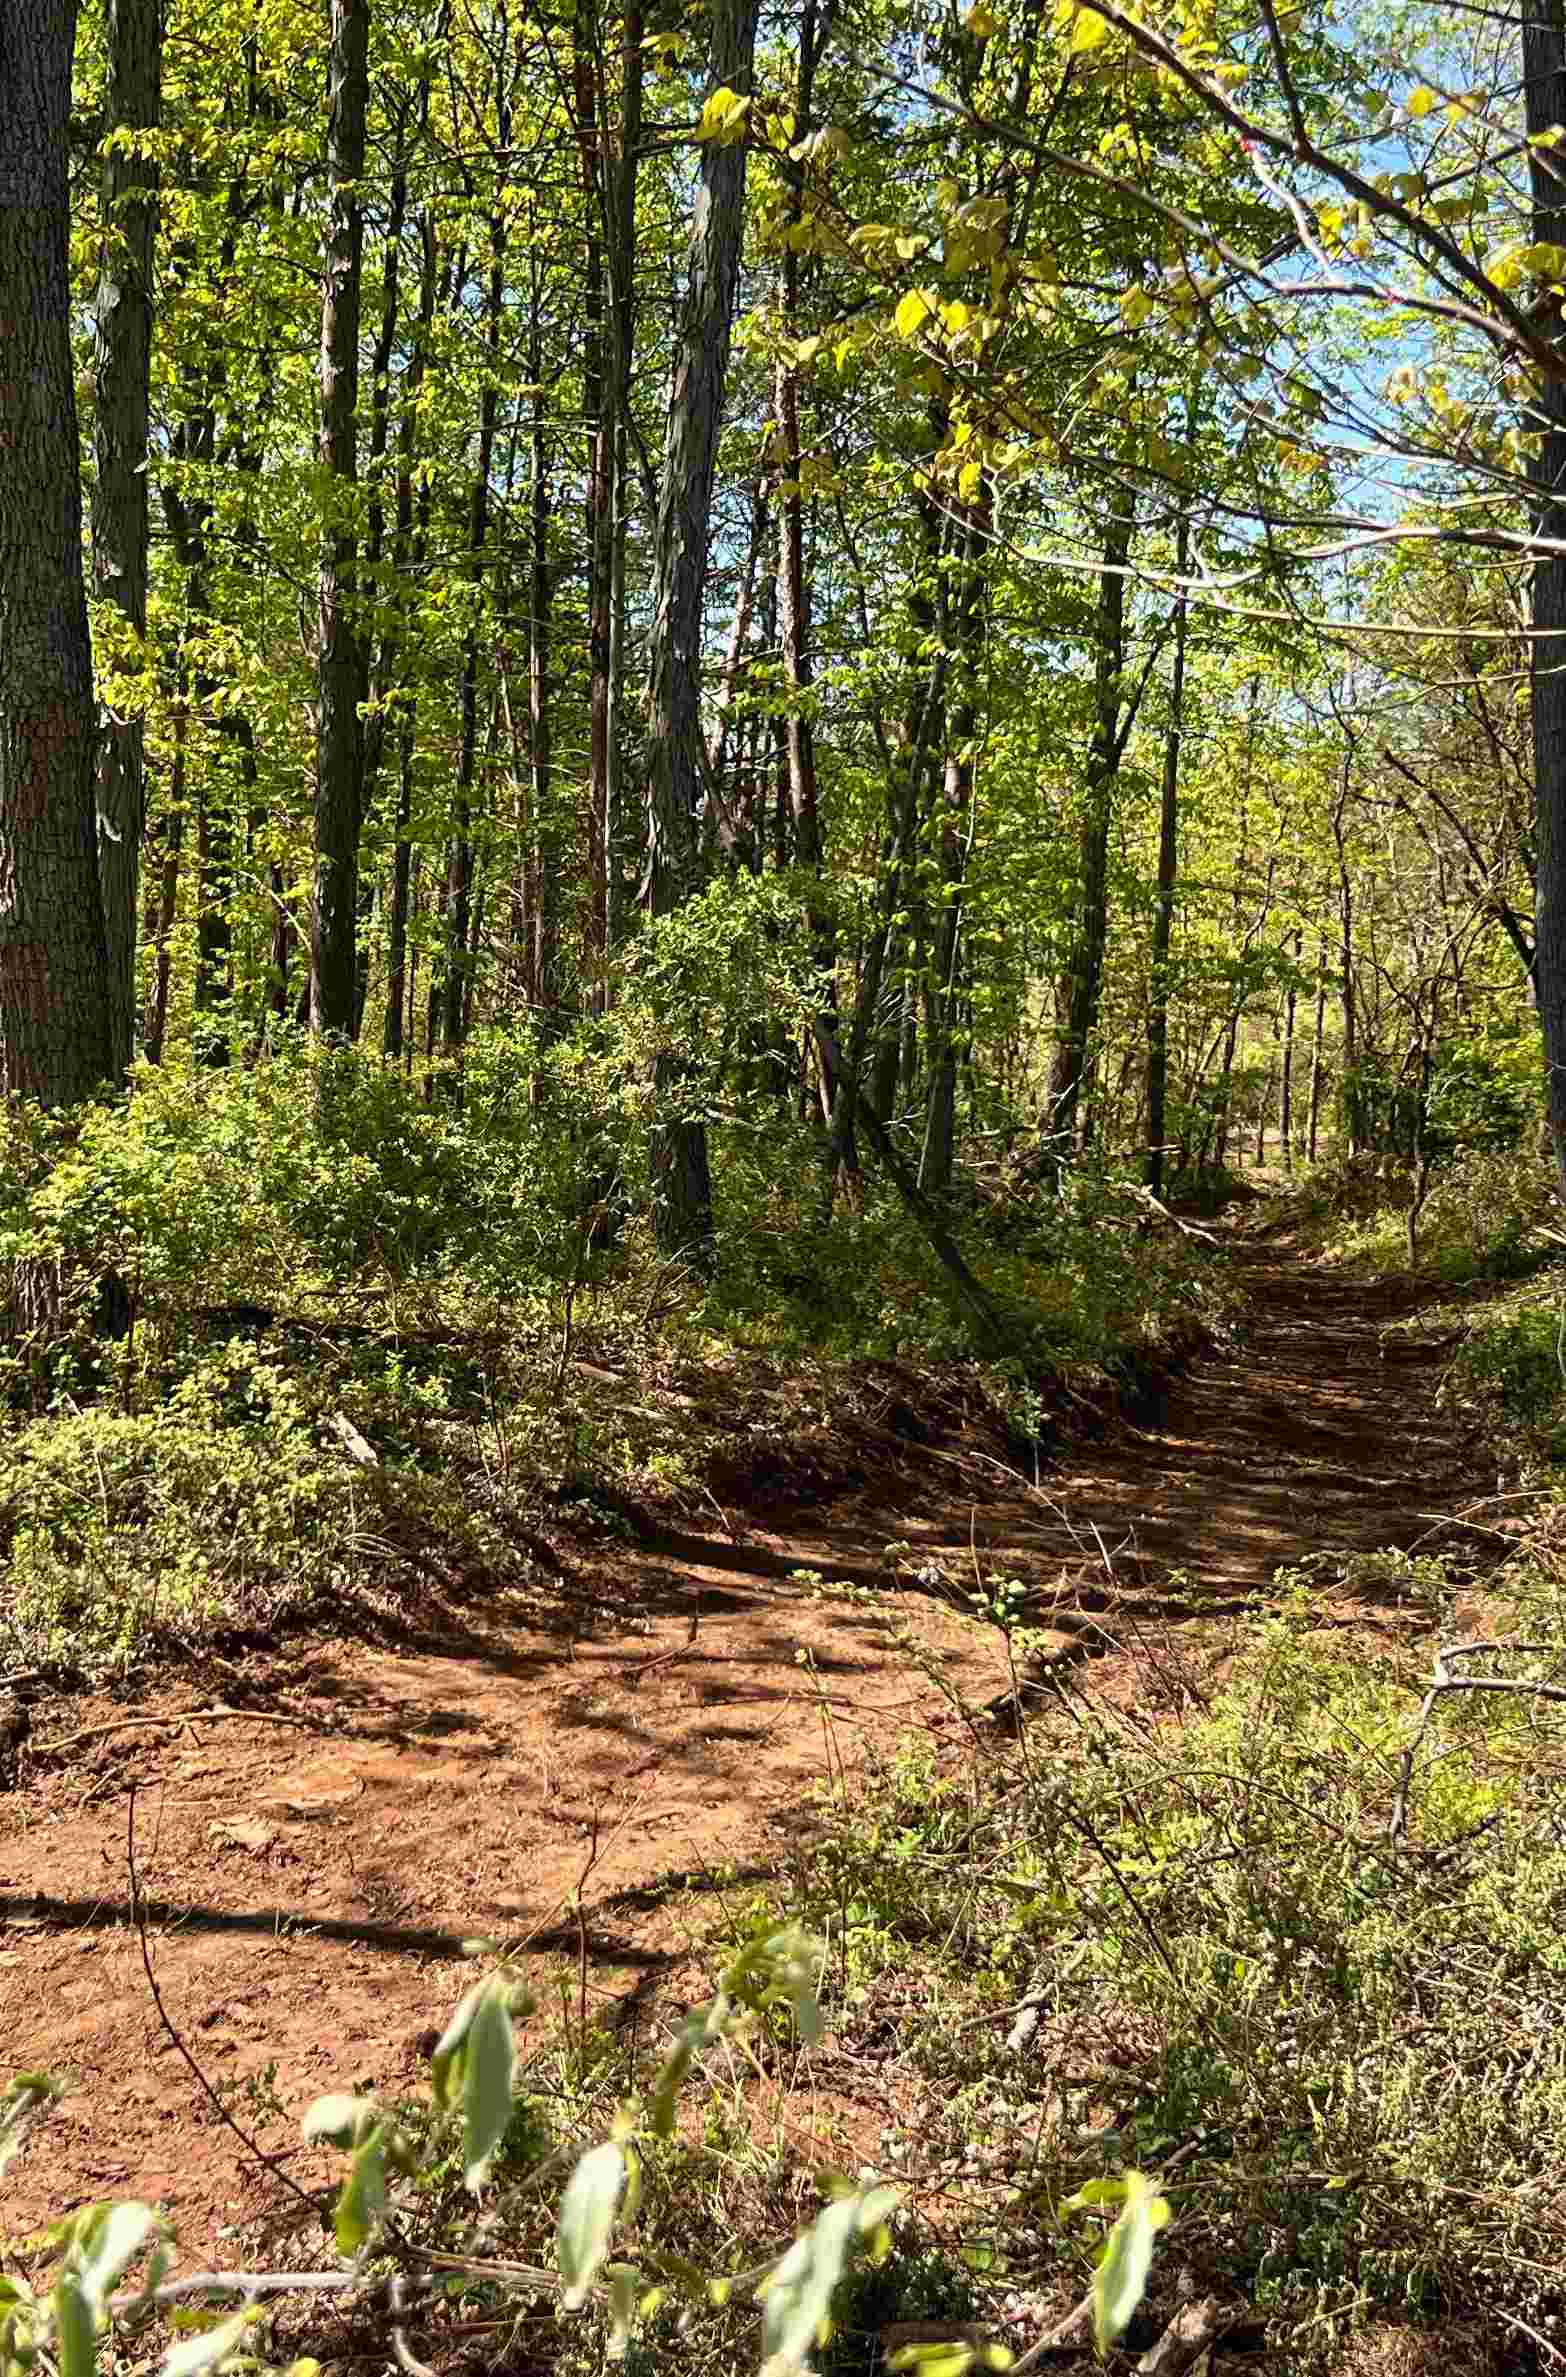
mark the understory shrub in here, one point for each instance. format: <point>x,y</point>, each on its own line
<point>1338,2035</point>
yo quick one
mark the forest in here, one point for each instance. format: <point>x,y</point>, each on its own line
<point>782,1136</point>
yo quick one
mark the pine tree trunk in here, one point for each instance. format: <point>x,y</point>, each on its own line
<point>682,1185</point>
<point>342,683</point>
<point>56,1025</point>
<point>122,354</point>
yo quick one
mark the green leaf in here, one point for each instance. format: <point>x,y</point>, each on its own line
<point>1089,31</point>
<point>723,117</point>
<point>116,2242</point>
<point>363,2197</point>
<point>1121,2276</point>
<point>76,2330</point>
<point>798,2294</point>
<point>588,2210</point>
<point>206,2350</point>
<point>489,2071</point>
<point>339,2120</point>
<point>625,2287</point>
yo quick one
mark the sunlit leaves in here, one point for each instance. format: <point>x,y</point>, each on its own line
<point>1120,2275</point>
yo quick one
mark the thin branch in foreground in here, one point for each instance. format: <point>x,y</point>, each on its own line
<point>1443,1681</point>
<point>269,2162</point>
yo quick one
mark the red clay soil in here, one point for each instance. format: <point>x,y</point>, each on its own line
<point>312,1866</point>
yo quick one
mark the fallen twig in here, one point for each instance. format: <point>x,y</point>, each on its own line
<point>270,2163</point>
<point>182,1716</point>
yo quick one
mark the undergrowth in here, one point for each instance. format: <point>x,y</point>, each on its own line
<point>209,1290</point>
<point>1334,2034</point>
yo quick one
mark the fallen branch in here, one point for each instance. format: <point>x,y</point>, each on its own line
<point>181,1716</point>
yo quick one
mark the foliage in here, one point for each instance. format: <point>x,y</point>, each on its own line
<point>394,2153</point>
<point>1339,2045</point>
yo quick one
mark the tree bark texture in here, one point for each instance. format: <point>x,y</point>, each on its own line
<point>1544,96</point>
<point>55,1038</point>
<point>122,355</point>
<point>342,684</point>
<point>1082,990</point>
<point>682,1184</point>
<point>1168,876</point>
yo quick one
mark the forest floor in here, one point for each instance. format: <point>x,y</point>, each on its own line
<point>318,1827</point>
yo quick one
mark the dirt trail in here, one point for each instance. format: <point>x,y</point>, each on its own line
<point>649,1726</point>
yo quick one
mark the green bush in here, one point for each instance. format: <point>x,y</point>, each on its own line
<point>118,1530</point>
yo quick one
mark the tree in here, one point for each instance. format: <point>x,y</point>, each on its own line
<point>682,1180</point>
<point>56,1042</point>
<point>343,677</point>
<point>122,359</point>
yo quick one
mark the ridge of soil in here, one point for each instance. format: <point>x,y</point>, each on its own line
<point>314,1856</point>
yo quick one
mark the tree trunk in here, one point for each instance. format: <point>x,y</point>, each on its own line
<point>545,901</point>
<point>340,658</point>
<point>682,1184</point>
<point>1070,1107</point>
<point>1168,878</point>
<point>1544,94</point>
<point>923,731</point>
<point>1286,1102</point>
<point>1318,1034</point>
<point>964,638</point>
<point>168,890</point>
<point>122,353</point>
<point>408,552</point>
<point>459,956</point>
<point>56,1028</point>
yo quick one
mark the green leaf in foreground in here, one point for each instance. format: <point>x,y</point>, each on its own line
<point>588,2211</point>
<point>1120,2278</point>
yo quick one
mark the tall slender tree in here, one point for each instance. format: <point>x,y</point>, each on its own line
<point>342,676</point>
<point>122,357</point>
<point>56,1042</point>
<point>681,1175</point>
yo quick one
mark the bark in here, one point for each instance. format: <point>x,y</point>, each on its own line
<point>794,587</point>
<point>602,416</point>
<point>342,685</point>
<point>1070,1110</point>
<point>1286,1094</point>
<point>408,553</point>
<point>923,732</point>
<point>459,896</point>
<point>544,907</point>
<point>1346,943</point>
<point>122,353</point>
<point>1318,1035</point>
<point>168,891</point>
<point>965,635</point>
<point>56,1035</point>
<point>1168,878</point>
<point>681,1178</point>
<point>1544,98</point>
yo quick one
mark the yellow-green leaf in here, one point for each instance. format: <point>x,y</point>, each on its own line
<point>912,314</point>
<point>1089,31</point>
